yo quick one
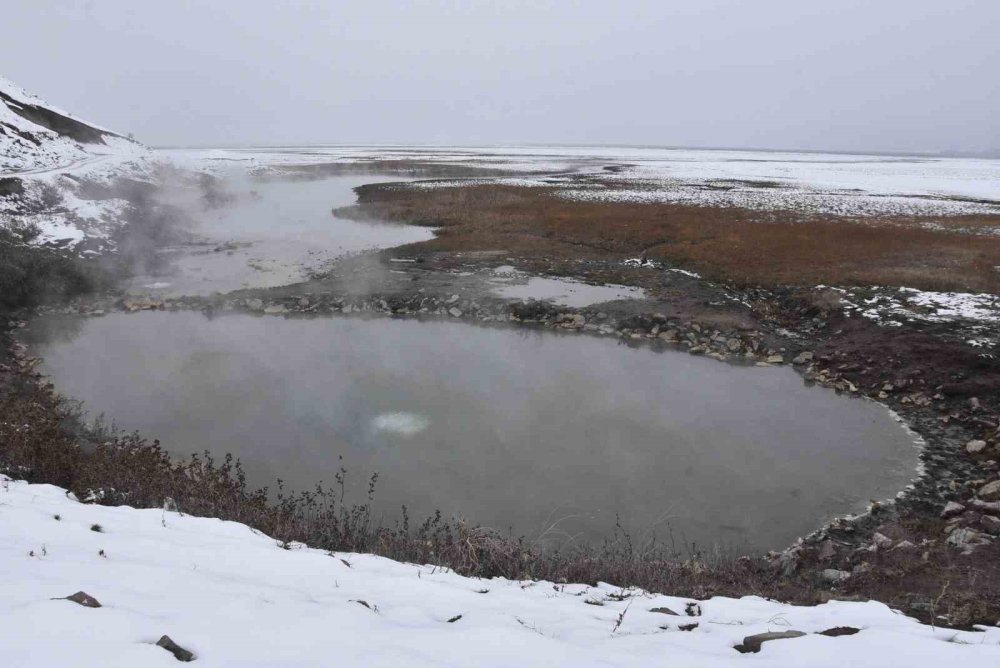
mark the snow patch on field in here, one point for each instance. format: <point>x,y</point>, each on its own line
<point>973,318</point>
<point>233,596</point>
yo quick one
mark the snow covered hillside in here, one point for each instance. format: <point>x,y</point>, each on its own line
<point>35,136</point>
<point>50,163</point>
<point>234,597</point>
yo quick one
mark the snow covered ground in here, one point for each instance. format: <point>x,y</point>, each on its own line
<point>28,148</point>
<point>860,185</point>
<point>234,597</point>
<point>974,318</point>
<point>50,165</point>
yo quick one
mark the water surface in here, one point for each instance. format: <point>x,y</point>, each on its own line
<point>509,428</point>
<point>274,233</point>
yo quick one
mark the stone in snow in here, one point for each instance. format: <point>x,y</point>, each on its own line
<point>663,611</point>
<point>84,599</point>
<point>751,644</point>
<point>179,652</point>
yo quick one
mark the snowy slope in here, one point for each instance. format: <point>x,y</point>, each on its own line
<point>36,136</point>
<point>47,155</point>
<point>234,597</point>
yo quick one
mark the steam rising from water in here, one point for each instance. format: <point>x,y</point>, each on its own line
<point>404,424</point>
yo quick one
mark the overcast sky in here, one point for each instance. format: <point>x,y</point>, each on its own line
<point>881,75</point>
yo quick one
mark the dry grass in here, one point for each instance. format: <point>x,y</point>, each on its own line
<point>743,247</point>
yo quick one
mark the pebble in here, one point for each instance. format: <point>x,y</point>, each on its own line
<point>975,447</point>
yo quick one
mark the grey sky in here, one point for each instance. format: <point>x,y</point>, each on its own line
<point>842,75</point>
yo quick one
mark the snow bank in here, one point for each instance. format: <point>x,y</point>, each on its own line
<point>234,597</point>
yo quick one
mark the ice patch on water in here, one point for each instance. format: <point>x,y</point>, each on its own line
<point>404,424</point>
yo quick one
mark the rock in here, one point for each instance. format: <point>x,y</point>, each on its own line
<point>663,611</point>
<point>951,509</point>
<point>974,403</point>
<point>838,631</point>
<point>881,541</point>
<point>905,545</point>
<point>990,491</point>
<point>303,302</point>
<point>803,358</point>
<point>975,447</point>
<point>992,508</point>
<point>967,539</point>
<point>733,345</point>
<point>827,551</point>
<point>454,312</point>
<point>990,524</point>
<point>84,599</point>
<point>669,335</point>
<point>834,576</point>
<point>275,309</point>
<point>751,644</point>
<point>775,359</point>
<point>141,304</point>
<point>255,304</point>
<point>572,320</point>
<point>179,652</point>
<point>452,299</point>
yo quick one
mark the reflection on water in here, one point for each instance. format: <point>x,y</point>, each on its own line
<point>508,428</point>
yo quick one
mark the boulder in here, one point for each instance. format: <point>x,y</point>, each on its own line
<point>803,358</point>
<point>454,312</point>
<point>881,541</point>
<point>951,509</point>
<point>990,491</point>
<point>775,359</point>
<point>834,576</point>
<point>967,539</point>
<point>990,524</point>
